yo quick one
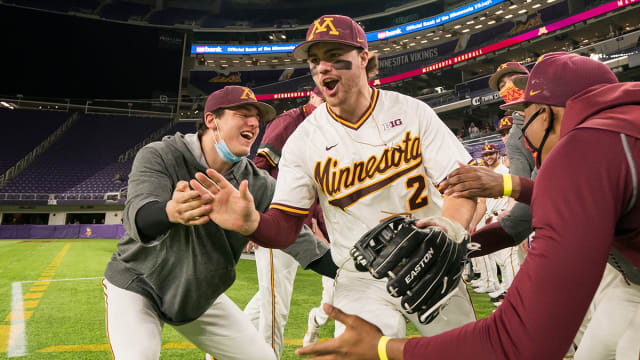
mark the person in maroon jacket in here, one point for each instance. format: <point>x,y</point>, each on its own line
<point>585,127</point>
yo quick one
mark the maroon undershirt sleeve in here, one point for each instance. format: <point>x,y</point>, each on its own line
<point>262,163</point>
<point>526,190</point>
<point>277,229</point>
<point>491,238</point>
<point>576,205</point>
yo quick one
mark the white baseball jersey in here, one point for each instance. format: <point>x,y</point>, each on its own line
<point>497,205</point>
<point>386,163</point>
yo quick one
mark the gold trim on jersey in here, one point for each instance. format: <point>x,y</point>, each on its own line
<point>266,155</point>
<point>374,99</point>
<point>289,209</point>
<point>334,180</point>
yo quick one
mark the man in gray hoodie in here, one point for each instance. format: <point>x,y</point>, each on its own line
<point>173,264</point>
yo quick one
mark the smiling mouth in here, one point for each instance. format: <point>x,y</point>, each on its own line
<point>247,135</point>
<point>330,84</point>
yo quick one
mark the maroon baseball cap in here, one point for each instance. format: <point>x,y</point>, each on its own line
<point>505,69</point>
<point>557,77</point>
<point>505,123</point>
<point>332,28</point>
<point>234,95</point>
<point>489,149</point>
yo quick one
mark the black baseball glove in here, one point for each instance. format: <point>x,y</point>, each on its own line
<point>423,265</point>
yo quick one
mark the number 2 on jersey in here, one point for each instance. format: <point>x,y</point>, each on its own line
<point>417,200</point>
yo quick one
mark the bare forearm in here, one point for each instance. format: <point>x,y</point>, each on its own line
<point>395,349</point>
<point>481,208</point>
<point>459,209</point>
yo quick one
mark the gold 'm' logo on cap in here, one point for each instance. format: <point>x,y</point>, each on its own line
<point>248,94</point>
<point>328,21</point>
<point>504,122</point>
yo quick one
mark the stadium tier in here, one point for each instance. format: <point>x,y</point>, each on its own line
<point>84,159</point>
<point>23,130</point>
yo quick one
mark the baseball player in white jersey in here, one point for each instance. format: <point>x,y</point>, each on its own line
<point>366,153</point>
<point>507,258</point>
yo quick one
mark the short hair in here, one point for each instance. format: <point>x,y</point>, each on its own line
<point>372,65</point>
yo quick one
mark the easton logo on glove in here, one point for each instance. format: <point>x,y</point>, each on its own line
<point>423,266</point>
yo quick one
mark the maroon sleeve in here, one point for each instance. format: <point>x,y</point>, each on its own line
<point>277,229</point>
<point>262,163</point>
<point>576,204</point>
<point>275,136</point>
<point>526,190</point>
<point>491,239</point>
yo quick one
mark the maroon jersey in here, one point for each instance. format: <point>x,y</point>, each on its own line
<point>585,210</point>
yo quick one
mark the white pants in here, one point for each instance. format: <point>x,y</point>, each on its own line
<point>488,271</point>
<point>134,329</point>
<point>614,324</point>
<point>269,307</point>
<point>327,298</point>
<point>507,260</point>
<point>362,295</point>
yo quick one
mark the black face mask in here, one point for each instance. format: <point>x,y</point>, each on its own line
<point>537,151</point>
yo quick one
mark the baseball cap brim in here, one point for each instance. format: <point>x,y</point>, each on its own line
<point>521,82</point>
<point>301,51</point>
<point>267,112</point>
<point>518,105</point>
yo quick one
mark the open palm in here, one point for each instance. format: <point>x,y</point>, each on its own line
<point>232,209</point>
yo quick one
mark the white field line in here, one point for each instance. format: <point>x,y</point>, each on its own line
<point>87,278</point>
<point>17,338</point>
<point>17,328</point>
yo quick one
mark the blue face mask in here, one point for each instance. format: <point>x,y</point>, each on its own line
<point>224,151</point>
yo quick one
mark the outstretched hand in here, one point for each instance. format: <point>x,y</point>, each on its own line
<point>232,209</point>
<point>358,342</point>
<point>473,182</point>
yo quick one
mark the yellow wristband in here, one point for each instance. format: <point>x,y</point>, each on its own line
<point>508,185</point>
<point>382,348</point>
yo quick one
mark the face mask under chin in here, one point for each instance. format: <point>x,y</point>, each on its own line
<point>223,150</point>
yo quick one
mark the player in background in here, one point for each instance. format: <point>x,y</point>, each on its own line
<point>486,210</point>
<point>516,224</point>
<point>574,109</point>
<point>367,154</point>
<point>269,308</point>
<point>174,264</point>
<point>506,259</point>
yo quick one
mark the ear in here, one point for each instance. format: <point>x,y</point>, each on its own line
<point>364,58</point>
<point>209,121</point>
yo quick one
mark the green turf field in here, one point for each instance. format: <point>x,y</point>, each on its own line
<point>52,305</point>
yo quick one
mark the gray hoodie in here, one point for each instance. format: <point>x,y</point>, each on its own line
<point>183,271</point>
